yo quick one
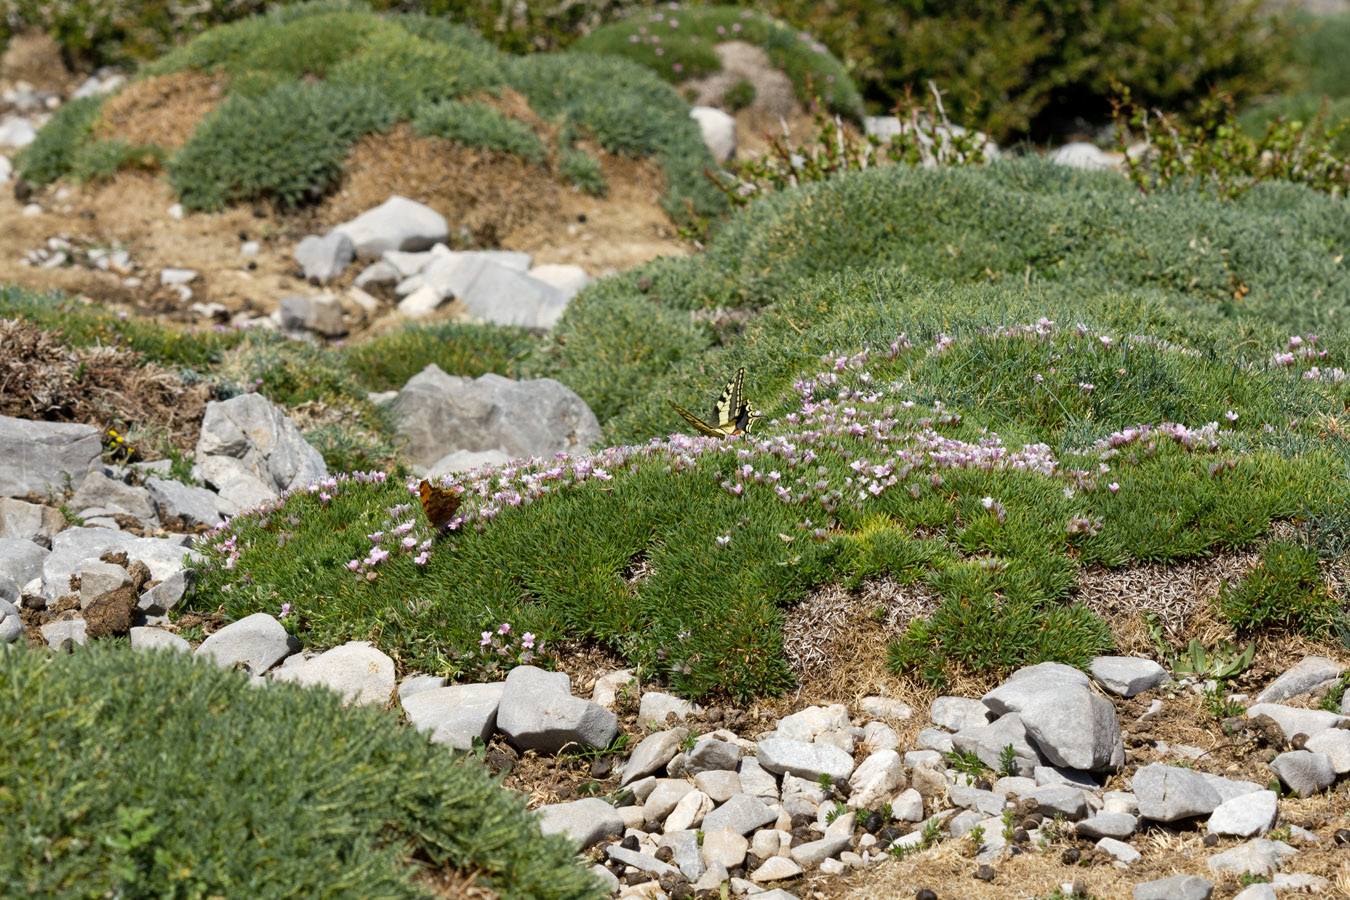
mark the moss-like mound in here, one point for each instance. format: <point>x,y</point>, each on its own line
<point>304,82</point>
<point>148,774</point>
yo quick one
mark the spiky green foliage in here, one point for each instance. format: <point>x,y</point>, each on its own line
<point>52,153</point>
<point>1284,590</point>
<point>286,145</point>
<point>151,774</point>
<point>583,171</point>
<point>479,125</point>
<point>102,160</point>
<point>680,43</point>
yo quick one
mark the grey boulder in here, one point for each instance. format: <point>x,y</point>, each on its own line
<point>23,521</point>
<point>1303,772</point>
<point>188,504</point>
<point>160,599</point>
<point>457,714</point>
<point>1296,720</point>
<point>45,457</point>
<point>742,814</point>
<point>1075,728</point>
<point>1178,887</point>
<point>327,257</point>
<point>988,743</point>
<point>21,560</point>
<point>359,672</point>
<point>1246,816</point>
<point>321,315</point>
<point>143,638</point>
<point>653,753</point>
<point>809,761</point>
<point>588,821</point>
<point>1256,857</point>
<point>1166,793</point>
<point>957,713</point>
<point>438,413</point>
<point>65,634</point>
<point>248,443</point>
<point>1127,675</point>
<point>101,495</point>
<point>11,625</point>
<point>538,712</point>
<point>1307,675</point>
<point>257,642</point>
<point>74,546</point>
<point>396,224</point>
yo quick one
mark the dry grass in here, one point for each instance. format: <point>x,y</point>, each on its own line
<point>103,386</point>
<point>164,110</point>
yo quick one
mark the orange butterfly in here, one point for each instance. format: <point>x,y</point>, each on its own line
<point>439,504</point>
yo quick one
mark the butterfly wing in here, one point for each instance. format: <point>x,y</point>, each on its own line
<point>439,504</point>
<point>701,426</point>
<point>731,404</point>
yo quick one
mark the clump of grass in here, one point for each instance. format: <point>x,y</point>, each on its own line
<point>582,170</point>
<point>102,160</point>
<point>1284,590</point>
<point>386,362</point>
<point>52,153</point>
<point>176,789</point>
<point>479,125</point>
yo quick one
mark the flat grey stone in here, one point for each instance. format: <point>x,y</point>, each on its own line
<point>396,224</point>
<point>1127,675</point>
<point>11,624</point>
<point>327,257</point>
<point>1295,720</point>
<point>1015,785</point>
<point>416,684</point>
<point>1167,793</point>
<point>775,868</point>
<point>688,813</point>
<point>1246,816</point>
<point>188,503</point>
<point>808,724</point>
<point>1303,772</point>
<point>36,522</point>
<point>609,882</point>
<point>719,784</point>
<point>930,758</point>
<point>1122,851</point>
<point>98,578</point>
<point>98,491</point>
<point>538,712</point>
<point>1227,788</point>
<point>59,634</point>
<point>1059,775</point>
<point>1177,887</point>
<point>438,414</point>
<point>879,736</point>
<point>755,781</point>
<point>1120,802</point>
<point>988,741</point>
<point>724,846</point>
<point>165,596</point>
<point>45,457</point>
<point>74,546</point>
<point>987,803</point>
<point>1258,891</point>
<point>801,796</point>
<point>663,799</point>
<point>359,672</point>
<point>643,862</point>
<point>257,641</point>
<point>653,753</point>
<point>501,296</point>
<point>1074,728</point>
<point>779,755</point>
<point>963,823</point>
<point>711,755</point>
<point>957,713</point>
<point>21,560</point>
<point>941,741</point>
<point>876,780</point>
<point>588,821</point>
<point>455,715</point>
<point>687,856</point>
<point>608,687</point>
<point>1060,799</point>
<point>1029,682</point>
<point>1307,675</point>
<point>377,273</point>
<point>1335,743</point>
<point>1256,857</point>
<point>1107,824</point>
<point>143,638</point>
<point>742,814</point>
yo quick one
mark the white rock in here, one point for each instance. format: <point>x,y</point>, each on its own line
<point>719,131</point>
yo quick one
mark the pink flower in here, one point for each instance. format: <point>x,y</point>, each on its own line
<point>527,641</point>
<point>505,628</point>
<point>1231,416</point>
<point>1113,487</point>
<point>285,610</point>
<point>486,639</point>
<point>421,558</point>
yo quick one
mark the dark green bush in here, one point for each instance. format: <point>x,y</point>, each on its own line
<point>1027,66</point>
<point>583,171</point>
<point>1284,591</point>
<point>53,152</point>
<point>479,125</point>
<point>385,363</point>
<point>286,146</point>
<point>678,43</point>
<point>154,775</point>
<point>628,111</point>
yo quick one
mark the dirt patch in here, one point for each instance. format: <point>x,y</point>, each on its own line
<point>743,61</point>
<point>103,386</point>
<point>34,57</point>
<point>163,110</point>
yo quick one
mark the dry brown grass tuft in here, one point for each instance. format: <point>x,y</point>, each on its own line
<point>163,110</point>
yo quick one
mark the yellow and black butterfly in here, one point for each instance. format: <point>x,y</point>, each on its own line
<point>731,413</point>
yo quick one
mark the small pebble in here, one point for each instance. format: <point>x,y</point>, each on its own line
<point>1211,840</point>
<point>1342,837</point>
<point>985,872</point>
<point>1070,856</point>
<point>925,894</point>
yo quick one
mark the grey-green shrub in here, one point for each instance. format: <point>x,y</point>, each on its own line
<point>479,125</point>
<point>286,146</point>
<point>148,774</point>
<point>52,153</point>
<point>583,171</point>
